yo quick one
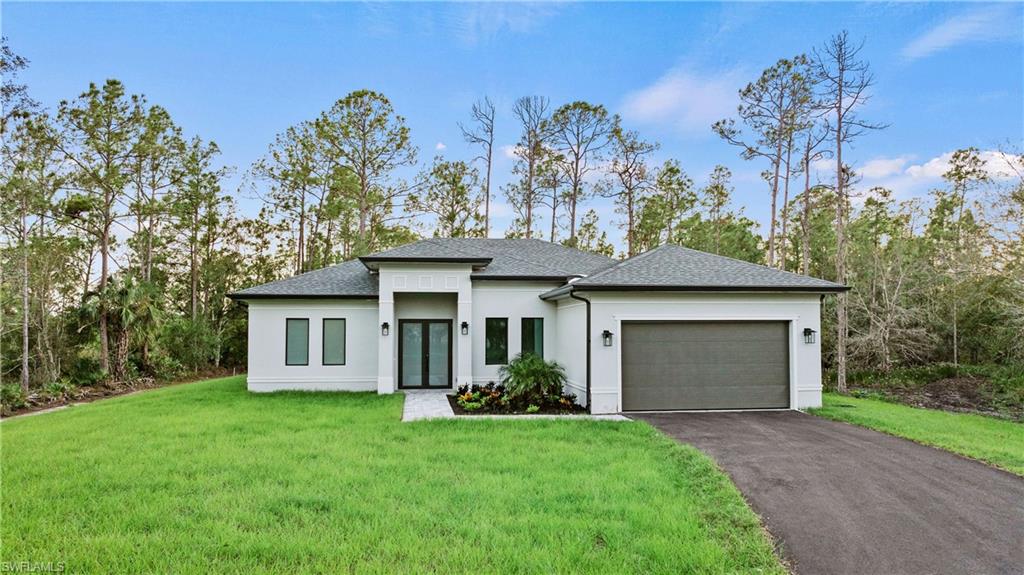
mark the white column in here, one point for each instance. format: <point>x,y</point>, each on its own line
<point>464,371</point>
<point>386,351</point>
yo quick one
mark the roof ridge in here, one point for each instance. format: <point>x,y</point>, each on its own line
<point>556,272</point>
<point>623,262</point>
<point>766,267</point>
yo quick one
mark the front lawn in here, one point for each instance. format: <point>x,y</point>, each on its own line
<point>209,478</point>
<point>995,441</point>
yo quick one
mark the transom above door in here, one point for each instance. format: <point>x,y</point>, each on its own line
<point>424,353</point>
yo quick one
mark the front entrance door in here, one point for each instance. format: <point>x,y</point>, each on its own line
<point>424,353</point>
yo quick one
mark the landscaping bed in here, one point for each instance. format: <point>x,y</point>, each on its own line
<point>529,385</point>
<point>493,399</point>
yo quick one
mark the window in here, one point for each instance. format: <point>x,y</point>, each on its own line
<point>296,345</point>
<point>334,341</point>
<point>496,341</point>
<point>533,336</point>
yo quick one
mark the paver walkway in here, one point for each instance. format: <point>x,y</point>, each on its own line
<point>426,404</point>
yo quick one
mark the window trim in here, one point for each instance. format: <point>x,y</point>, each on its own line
<point>487,360</point>
<point>286,322</point>
<point>522,335</point>
<point>323,340</point>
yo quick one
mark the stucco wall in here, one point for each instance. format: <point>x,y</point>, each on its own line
<point>267,369</point>
<point>609,309</point>
<point>571,348</point>
<point>514,300</point>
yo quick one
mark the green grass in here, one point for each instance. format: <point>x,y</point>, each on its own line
<point>209,478</point>
<point>996,441</point>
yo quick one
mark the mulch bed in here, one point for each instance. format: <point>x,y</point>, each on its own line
<point>576,410</point>
<point>89,394</point>
<point>957,394</point>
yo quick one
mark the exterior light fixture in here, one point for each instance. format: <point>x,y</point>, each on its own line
<point>465,328</point>
<point>606,337</point>
<point>385,328</point>
<point>809,335</point>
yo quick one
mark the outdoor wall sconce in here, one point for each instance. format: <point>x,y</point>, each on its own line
<point>385,328</point>
<point>606,337</point>
<point>465,328</point>
<point>809,335</point>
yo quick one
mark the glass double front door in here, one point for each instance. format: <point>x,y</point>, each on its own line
<point>425,353</point>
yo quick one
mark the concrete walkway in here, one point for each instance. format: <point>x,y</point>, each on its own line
<point>426,404</point>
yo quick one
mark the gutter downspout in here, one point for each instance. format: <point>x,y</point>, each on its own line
<point>573,295</point>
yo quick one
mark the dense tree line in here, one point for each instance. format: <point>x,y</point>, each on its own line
<point>120,244</point>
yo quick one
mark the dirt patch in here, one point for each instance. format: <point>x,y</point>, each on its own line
<point>575,409</point>
<point>958,394</point>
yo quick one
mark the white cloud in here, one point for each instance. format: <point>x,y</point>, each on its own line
<point>686,100</point>
<point>509,151</point>
<point>881,167</point>
<point>995,165</point>
<point>440,146</point>
<point>979,25</point>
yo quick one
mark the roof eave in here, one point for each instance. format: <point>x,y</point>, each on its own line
<point>245,296</point>
<point>513,277</point>
<point>711,288</point>
<point>371,261</point>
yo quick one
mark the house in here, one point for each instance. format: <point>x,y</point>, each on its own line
<point>669,329</point>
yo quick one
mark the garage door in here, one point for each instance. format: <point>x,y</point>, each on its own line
<point>705,365</point>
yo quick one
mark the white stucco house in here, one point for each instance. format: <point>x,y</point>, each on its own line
<point>669,329</point>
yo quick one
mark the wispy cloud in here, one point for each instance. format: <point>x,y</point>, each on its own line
<point>685,100</point>
<point>440,146</point>
<point>479,22</point>
<point>978,25</point>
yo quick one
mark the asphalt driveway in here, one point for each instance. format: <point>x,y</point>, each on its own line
<point>844,499</point>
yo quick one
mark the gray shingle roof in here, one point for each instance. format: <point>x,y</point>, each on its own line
<point>510,258</point>
<point>671,267</point>
<point>348,279</point>
<point>502,258</point>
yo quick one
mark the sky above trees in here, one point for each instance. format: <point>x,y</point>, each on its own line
<point>947,75</point>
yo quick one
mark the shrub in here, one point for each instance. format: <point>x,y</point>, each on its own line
<point>57,390</point>
<point>11,397</point>
<point>532,408</point>
<point>85,372</point>
<point>529,376</point>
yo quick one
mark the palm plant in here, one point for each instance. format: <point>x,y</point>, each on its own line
<point>529,376</point>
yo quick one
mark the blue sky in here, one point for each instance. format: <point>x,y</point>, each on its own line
<point>948,75</point>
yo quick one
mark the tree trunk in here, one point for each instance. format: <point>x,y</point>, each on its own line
<point>554,213</point>
<point>104,270</point>
<point>775,196</point>
<point>785,206</point>
<point>805,220</point>
<point>629,225</point>
<point>487,193</point>
<point>24,297</point>
<point>841,299</point>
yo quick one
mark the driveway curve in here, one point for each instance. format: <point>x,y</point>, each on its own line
<point>843,499</point>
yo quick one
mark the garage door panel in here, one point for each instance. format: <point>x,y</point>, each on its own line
<point>705,365</point>
<point>655,399</point>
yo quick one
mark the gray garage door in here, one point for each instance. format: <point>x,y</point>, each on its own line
<point>705,365</point>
